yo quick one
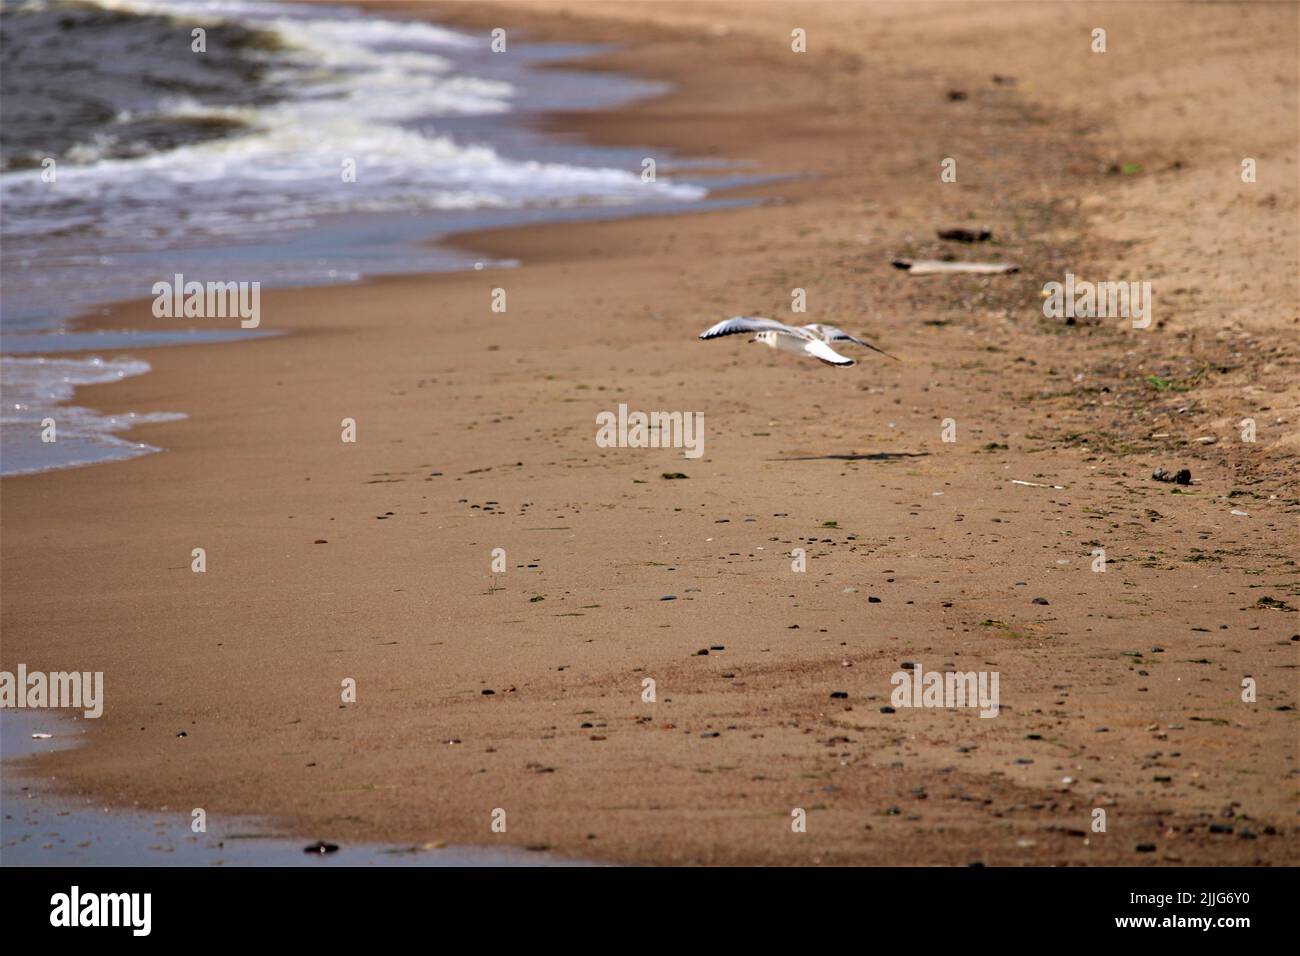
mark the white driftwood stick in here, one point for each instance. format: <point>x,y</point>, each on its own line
<point>927,267</point>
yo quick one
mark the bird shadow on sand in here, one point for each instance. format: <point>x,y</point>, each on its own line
<point>875,456</point>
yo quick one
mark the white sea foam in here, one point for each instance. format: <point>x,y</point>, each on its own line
<point>35,389</point>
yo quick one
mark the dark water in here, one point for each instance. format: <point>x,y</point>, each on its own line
<point>84,82</point>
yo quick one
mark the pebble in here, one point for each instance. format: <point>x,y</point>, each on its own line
<point>1182,477</point>
<point>320,846</point>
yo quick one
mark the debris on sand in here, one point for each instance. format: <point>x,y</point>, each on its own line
<point>1036,484</point>
<point>927,267</point>
<point>966,235</point>
<point>1181,477</point>
<point>1270,604</point>
<point>673,475</point>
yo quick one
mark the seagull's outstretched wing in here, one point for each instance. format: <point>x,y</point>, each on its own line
<point>820,350</point>
<point>830,333</point>
<point>752,323</point>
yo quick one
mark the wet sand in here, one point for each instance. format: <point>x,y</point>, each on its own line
<point>372,561</point>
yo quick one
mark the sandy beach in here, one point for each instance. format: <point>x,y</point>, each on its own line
<point>476,691</point>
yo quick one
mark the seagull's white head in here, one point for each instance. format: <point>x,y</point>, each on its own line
<point>767,338</point>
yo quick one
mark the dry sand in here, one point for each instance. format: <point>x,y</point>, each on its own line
<point>1127,683</point>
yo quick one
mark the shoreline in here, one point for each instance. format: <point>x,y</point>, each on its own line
<point>419,245</point>
<point>606,312</point>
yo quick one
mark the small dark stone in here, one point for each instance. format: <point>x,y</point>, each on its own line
<point>487,693</point>
<point>873,600</point>
<point>182,734</point>
<point>839,695</point>
<point>1146,848</point>
<point>1181,477</point>
<point>887,710</point>
<point>710,733</point>
<point>965,235</point>
<point>321,847</point>
<point>1043,601</point>
<point>669,597</point>
<point>956,96</point>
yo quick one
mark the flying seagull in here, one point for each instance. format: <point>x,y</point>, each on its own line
<point>811,340</point>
